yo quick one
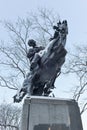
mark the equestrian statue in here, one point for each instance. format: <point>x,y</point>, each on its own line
<point>45,64</point>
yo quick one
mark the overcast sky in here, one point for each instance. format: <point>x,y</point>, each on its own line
<point>74,11</point>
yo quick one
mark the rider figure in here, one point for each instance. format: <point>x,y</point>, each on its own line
<point>33,55</point>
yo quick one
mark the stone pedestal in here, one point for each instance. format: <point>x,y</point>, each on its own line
<point>46,113</point>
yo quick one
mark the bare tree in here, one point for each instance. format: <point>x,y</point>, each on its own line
<point>9,116</point>
<point>77,64</point>
<point>13,61</point>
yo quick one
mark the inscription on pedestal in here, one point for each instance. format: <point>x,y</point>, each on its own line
<point>46,113</point>
<point>53,115</point>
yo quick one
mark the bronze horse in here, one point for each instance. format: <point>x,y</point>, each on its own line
<point>41,80</point>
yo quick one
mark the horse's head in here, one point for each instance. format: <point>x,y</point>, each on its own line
<point>63,27</point>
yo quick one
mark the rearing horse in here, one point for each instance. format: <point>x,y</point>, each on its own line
<point>41,80</point>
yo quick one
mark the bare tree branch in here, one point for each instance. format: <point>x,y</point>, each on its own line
<point>77,64</point>
<point>9,115</point>
<point>13,58</point>
<point>84,108</point>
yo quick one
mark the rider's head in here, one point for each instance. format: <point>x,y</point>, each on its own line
<point>32,43</point>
